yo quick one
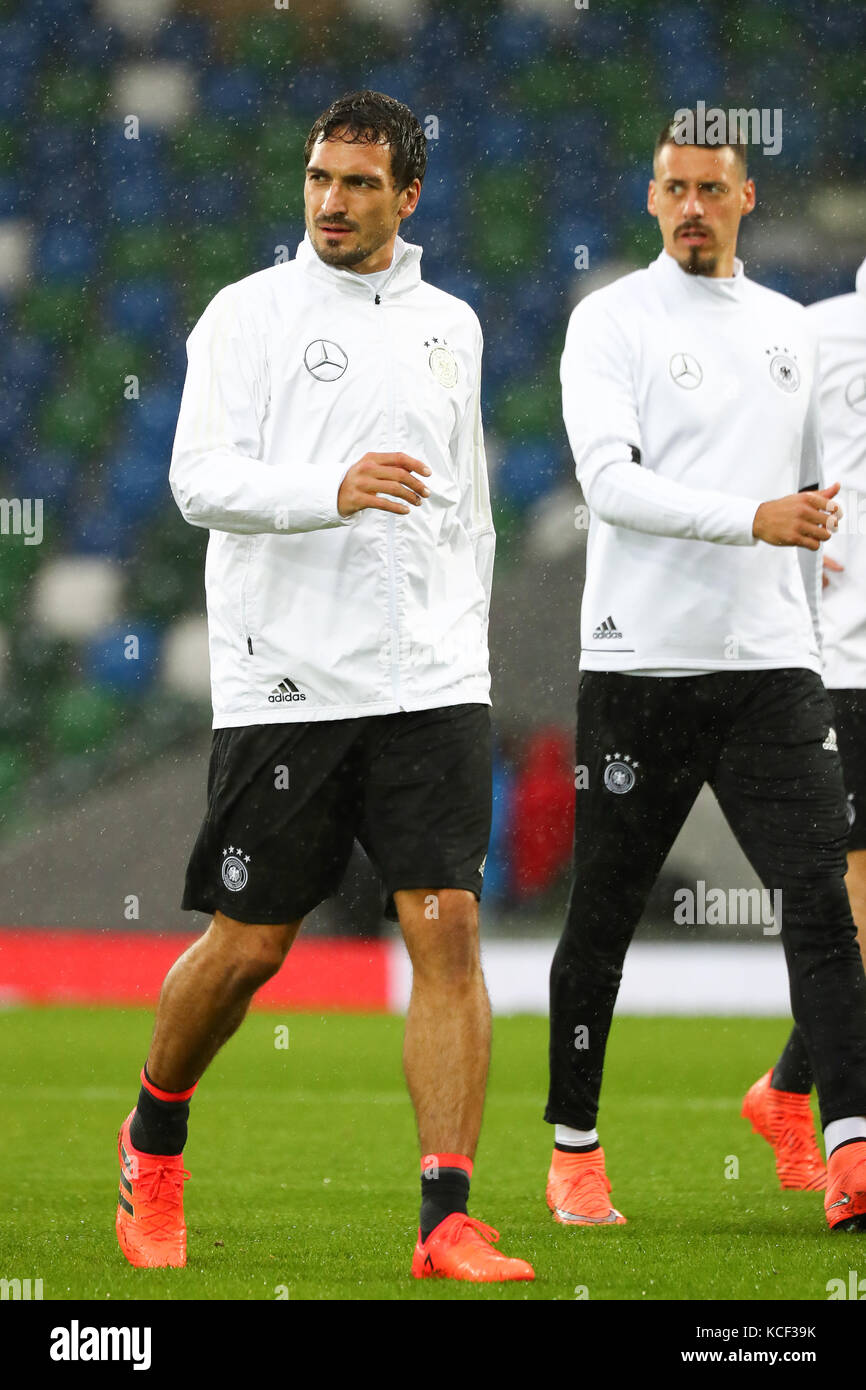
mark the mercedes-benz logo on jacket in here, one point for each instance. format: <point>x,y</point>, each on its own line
<point>324,360</point>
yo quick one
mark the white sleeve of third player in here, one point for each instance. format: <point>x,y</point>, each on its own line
<point>217,476</point>
<point>599,405</point>
<point>474,501</point>
<point>811,480</point>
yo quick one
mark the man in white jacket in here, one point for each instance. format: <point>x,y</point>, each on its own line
<point>840,323</point>
<point>690,398</point>
<point>330,439</point>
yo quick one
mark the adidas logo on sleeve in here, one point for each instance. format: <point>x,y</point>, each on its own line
<point>608,629</point>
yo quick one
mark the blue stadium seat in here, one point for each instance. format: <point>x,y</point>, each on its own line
<point>55,146</point>
<point>20,44</point>
<point>139,483</point>
<point>139,195</point>
<point>26,363</point>
<point>212,197</point>
<point>48,474</point>
<point>311,88</point>
<point>13,196</point>
<point>182,38</point>
<point>516,38</point>
<point>102,529</point>
<point>119,155</point>
<point>14,418</point>
<point>60,22</point>
<point>680,31</point>
<point>71,194</point>
<point>149,423</point>
<point>400,80</point>
<point>67,252</point>
<point>111,662</point>
<point>232,93</point>
<point>16,87</point>
<point>497,870</point>
<point>141,308</point>
<point>528,470</point>
<point>508,139</point>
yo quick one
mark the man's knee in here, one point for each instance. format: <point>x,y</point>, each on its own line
<point>441,934</point>
<point>256,952</point>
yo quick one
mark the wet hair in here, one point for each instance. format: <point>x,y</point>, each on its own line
<point>375,119</point>
<point>668,133</point>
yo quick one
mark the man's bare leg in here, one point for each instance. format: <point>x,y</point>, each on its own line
<point>446,1050</point>
<point>855,882</point>
<point>206,995</point>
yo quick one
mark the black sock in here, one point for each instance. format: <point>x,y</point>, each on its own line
<point>577,1148</point>
<point>792,1072</point>
<point>159,1126</point>
<point>443,1191</point>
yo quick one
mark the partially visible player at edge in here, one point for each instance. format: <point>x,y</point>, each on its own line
<point>690,395</point>
<point>330,438</point>
<point>840,323</point>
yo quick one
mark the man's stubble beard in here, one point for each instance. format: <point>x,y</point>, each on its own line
<point>337,257</point>
<point>695,265</point>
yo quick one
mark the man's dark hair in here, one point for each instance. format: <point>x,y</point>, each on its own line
<point>375,119</point>
<point>688,122</point>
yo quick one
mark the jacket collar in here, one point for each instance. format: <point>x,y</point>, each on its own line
<point>713,289</point>
<point>405,270</point>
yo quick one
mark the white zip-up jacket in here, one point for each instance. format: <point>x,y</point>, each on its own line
<point>689,400</point>
<point>841,326</point>
<point>294,374</point>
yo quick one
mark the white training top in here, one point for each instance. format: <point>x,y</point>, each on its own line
<point>294,374</point>
<point>689,400</point>
<point>841,327</point>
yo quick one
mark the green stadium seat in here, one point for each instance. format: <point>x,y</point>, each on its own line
<point>54,311</point>
<point>205,147</point>
<point>77,417</point>
<point>80,720</point>
<point>69,94</point>
<point>142,251</point>
<point>270,43</point>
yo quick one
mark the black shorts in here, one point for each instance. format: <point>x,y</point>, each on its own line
<point>849,721</point>
<point>286,802</point>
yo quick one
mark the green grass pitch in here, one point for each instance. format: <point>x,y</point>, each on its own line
<point>305,1168</point>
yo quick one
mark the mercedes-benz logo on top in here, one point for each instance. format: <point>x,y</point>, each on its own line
<point>324,360</point>
<point>686,370</point>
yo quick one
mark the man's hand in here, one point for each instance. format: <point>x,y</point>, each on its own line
<point>831,566</point>
<point>393,474</point>
<point>805,519</point>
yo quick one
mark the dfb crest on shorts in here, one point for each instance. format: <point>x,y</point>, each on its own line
<point>235,872</point>
<point>620,774</point>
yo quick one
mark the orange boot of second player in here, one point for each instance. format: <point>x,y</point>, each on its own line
<point>577,1188</point>
<point>150,1225</point>
<point>784,1119</point>
<point>462,1248</point>
<point>845,1202</point>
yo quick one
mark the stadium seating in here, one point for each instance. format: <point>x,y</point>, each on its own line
<point>114,236</point>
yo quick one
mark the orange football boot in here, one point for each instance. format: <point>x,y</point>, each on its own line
<point>784,1119</point>
<point>150,1225</point>
<point>577,1188</point>
<point>845,1202</point>
<point>462,1248</point>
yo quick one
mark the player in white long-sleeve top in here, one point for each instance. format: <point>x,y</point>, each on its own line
<point>690,399</point>
<point>840,323</point>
